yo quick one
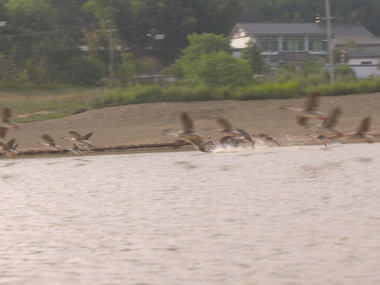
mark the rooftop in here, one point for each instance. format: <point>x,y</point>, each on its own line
<point>342,33</point>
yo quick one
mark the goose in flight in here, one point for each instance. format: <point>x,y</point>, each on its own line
<point>326,130</point>
<point>187,134</point>
<point>319,137</point>
<point>361,132</point>
<point>79,139</point>
<point>309,111</point>
<point>77,149</point>
<point>327,127</point>
<point>239,133</point>
<point>230,140</point>
<point>50,142</point>
<point>268,138</point>
<point>10,148</point>
<point>5,123</point>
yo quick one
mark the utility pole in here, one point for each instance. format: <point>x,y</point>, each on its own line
<point>330,50</point>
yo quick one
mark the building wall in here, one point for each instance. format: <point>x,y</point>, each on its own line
<point>240,43</point>
<point>364,67</point>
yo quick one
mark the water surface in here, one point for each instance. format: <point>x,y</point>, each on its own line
<point>288,215</point>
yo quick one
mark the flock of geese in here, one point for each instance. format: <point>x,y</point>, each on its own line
<point>326,130</point>
<point>323,132</point>
<point>233,137</point>
<point>81,143</point>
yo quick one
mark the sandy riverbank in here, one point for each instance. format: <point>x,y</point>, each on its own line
<point>142,124</point>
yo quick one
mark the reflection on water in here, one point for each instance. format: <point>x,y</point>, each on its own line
<point>289,215</point>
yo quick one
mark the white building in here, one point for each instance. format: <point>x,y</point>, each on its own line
<point>283,43</point>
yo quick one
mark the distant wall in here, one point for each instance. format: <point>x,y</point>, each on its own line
<point>364,67</point>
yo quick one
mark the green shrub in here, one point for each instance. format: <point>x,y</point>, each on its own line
<point>84,70</point>
<point>344,73</point>
<point>345,88</point>
<point>135,94</point>
<point>13,82</point>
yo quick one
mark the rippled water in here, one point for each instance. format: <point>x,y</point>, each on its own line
<point>288,215</point>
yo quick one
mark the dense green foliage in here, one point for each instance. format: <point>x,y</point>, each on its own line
<point>291,89</point>
<point>253,55</point>
<point>127,43</point>
<point>207,60</point>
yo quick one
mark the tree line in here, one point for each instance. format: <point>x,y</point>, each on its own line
<point>87,41</point>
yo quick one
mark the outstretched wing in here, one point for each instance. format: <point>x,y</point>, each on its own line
<point>312,102</point>
<point>364,125</point>
<point>269,138</point>
<point>186,122</point>
<point>48,138</point>
<point>75,134</point>
<point>10,143</point>
<point>301,120</point>
<point>87,136</point>
<point>245,134</point>
<point>6,115</point>
<point>332,119</point>
<point>227,127</point>
<point>3,132</point>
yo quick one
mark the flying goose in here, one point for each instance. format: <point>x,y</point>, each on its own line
<point>6,124</point>
<point>268,138</point>
<point>361,131</point>
<point>10,148</point>
<point>50,142</point>
<point>239,133</point>
<point>309,111</point>
<point>327,127</point>
<point>79,139</point>
<point>77,149</point>
<point>187,134</point>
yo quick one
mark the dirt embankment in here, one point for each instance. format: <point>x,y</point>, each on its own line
<point>142,124</point>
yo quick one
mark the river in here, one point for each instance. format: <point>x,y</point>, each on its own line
<point>273,215</point>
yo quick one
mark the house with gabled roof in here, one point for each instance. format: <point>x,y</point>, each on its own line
<point>283,43</point>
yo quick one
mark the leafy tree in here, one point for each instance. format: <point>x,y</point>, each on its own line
<point>26,18</point>
<point>310,67</point>
<point>205,43</point>
<point>131,67</point>
<point>91,39</point>
<point>30,14</point>
<point>36,71</point>
<point>287,72</point>
<point>252,53</point>
<point>208,60</point>
<point>344,73</point>
<point>4,64</point>
<point>85,70</point>
<point>198,44</point>
<point>309,72</point>
<point>176,19</point>
<point>47,33</point>
<point>217,68</point>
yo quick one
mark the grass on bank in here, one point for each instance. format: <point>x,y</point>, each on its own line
<point>45,104</point>
<point>37,105</point>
